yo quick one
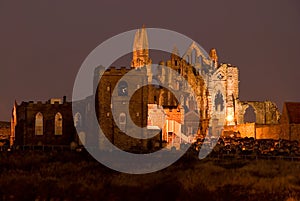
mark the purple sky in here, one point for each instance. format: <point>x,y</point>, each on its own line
<point>43,43</point>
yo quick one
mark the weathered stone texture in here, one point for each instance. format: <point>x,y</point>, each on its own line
<point>268,131</point>
<point>24,124</point>
<point>290,121</point>
<point>264,131</point>
<point>295,132</point>
<point>109,90</point>
<point>4,130</point>
<point>245,130</point>
<point>266,112</point>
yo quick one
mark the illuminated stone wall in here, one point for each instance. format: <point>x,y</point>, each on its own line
<point>156,115</point>
<point>222,82</point>
<point>266,112</point>
<point>269,131</point>
<point>244,130</point>
<point>200,103</point>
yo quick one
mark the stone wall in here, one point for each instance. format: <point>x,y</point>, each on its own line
<point>244,130</point>
<point>24,127</point>
<point>295,132</point>
<point>110,102</point>
<point>266,112</point>
<point>156,115</point>
<point>268,131</point>
<point>256,130</point>
<point>4,130</point>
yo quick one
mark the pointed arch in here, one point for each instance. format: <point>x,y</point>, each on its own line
<point>250,114</point>
<point>77,120</point>
<point>122,121</point>
<point>122,88</point>
<point>58,124</point>
<point>193,56</point>
<point>122,118</point>
<point>200,52</point>
<point>39,125</point>
<point>219,102</point>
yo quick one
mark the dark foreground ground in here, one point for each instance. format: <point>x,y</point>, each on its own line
<point>77,176</point>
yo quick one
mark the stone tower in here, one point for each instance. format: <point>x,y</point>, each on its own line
<point>114,96</point>
<point>140,56</point>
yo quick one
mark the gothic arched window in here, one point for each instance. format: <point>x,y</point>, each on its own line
<point>58,124</point>
<point>250,115</point>
<point>39,124</point>
<point>123,88</point>
<point>219,102</point>
<point>122,121</point>
<point>193,57</point>
<point>77,120</point>
<point>122,118</point>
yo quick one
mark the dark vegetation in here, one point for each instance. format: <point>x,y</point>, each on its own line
<point>69,175</point>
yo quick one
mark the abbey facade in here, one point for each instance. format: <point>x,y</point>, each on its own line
<point>206,103</point>
<point>187,96</point>
<point>216,87</point>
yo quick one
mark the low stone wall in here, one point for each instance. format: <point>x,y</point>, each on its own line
<point>257,131</point>
<point>244,130</point>
<point>260,131</point>
<point>272,131</point>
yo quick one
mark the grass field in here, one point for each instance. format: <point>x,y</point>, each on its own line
<point>77,176</point>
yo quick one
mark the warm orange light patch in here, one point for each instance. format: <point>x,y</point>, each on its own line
<point>229,118</point>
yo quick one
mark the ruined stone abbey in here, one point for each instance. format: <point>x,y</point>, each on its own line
<point>210,95</point>
<point>216,87</point>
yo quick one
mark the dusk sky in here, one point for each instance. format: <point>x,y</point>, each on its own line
<point>43,43</point>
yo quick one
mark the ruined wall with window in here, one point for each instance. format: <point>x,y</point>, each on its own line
<point>49,123</point>
<point>266,112</point>
<point>263,116</point>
